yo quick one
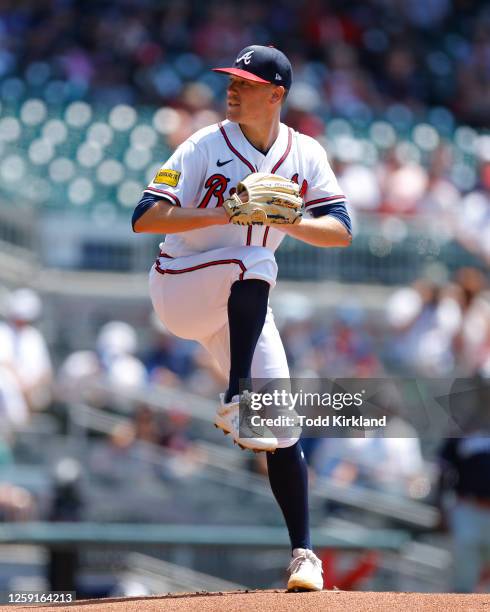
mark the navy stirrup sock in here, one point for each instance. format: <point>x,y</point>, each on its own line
<point>247,309</point>
<point>288,477</point>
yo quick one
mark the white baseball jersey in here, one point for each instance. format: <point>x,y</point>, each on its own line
<point>205,169</point>
<point>191,279</point>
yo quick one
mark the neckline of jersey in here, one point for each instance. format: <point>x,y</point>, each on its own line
<point>254,147</point>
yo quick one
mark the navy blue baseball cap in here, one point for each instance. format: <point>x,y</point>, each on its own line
<point>262,65</point>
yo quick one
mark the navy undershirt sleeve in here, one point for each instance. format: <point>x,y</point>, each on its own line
<point>339,211</point>
<point>146,202</point>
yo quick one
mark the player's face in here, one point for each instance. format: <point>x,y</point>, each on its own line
<point>248,101</point>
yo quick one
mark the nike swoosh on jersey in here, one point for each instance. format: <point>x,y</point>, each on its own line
<point>220,163</point>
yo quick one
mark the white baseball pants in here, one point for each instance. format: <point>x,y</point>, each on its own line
<point>190,296</point>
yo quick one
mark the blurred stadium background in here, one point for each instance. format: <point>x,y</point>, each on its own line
<point>105,418</point>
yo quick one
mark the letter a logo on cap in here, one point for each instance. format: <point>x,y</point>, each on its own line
<point>262,65</point>
<point>246,57</point>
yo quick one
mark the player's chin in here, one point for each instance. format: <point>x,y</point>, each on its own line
<point>233,113</point>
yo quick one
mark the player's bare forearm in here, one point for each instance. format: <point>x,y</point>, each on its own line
<point>164,218</point>
<point>321,232</point>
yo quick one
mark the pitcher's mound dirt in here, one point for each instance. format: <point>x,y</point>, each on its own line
<point>271,601</point>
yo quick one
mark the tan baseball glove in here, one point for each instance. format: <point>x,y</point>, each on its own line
<point>269,199</point>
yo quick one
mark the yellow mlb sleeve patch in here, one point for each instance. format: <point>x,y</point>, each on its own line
<point>167,177</point>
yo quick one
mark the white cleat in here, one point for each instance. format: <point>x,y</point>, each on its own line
<point>305,571</point>
<point>289,435</point>
<point>253,438</point>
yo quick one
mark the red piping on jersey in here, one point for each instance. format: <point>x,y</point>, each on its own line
<point>207,264</point>
<point>232,148</point>
<point>286,152</point>
<point>266,233</point>
<point>330,198</point>
<point>273,171</point>
<point>249,236</point>
<point>167,194</point>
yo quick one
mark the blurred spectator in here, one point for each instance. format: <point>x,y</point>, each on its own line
<point>116,346</point>
<point>146,425</point>
<point>465,465</point>
<point>345,348</point>
<point>185,458</point>
<point>77,375</point>
<point>67,506</point>
<point>362,185</point>
<point>471,223</point>
<point>173,431</point>
<point>388,464</point>
<point>67,503</point>
<point>169,360</point>
<point>438,328</point>
<point>133,450</point>
<point>114,462</point>
<point>473,340</point>
<point>14,411</point>
<point>420,345</point>
<point>388,459</point>
<point>24,352</point>
<point>207,377</point>
<point>168,430</point>
<point>16,503</point>
<point>113,363</point>
<point>340,347</point>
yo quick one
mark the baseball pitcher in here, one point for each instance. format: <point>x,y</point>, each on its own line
<point>225,200</point>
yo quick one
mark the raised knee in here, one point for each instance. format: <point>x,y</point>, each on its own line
<point>260,263</point>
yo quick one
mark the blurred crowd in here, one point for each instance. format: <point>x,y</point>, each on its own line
<point>382,85</point>
<point>441,329</point>
<point>26,371</point>
<point>442,191</point>
<point>355,58</point>
<point>431,328</point>
<point>426,329</point>
<point>375,68</point>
